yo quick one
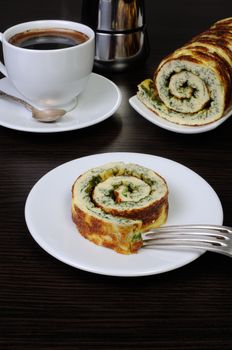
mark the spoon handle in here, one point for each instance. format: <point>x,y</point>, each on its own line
<point>17,99</point>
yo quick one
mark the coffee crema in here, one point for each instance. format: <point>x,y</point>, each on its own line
<point>48,38</point>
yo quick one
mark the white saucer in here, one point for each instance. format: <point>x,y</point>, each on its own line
<point>165,124</point>
<point>98,102</point>
<point>48,216</point>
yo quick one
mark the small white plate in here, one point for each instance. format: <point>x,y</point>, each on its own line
<point>48,216</point>
<point>98,102</point>
<point>165,124</point>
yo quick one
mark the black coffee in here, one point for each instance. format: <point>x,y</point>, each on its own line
<point>48,38</point>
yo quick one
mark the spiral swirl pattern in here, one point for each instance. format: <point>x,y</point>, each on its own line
<point>192,86</point>
<point>114,203</point>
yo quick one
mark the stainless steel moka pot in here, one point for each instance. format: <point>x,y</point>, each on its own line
<point>121,36</point>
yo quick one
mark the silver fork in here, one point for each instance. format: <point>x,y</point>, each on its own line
<point>214,238</point>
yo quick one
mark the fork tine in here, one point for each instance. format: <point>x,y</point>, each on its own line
<point>225,229</point>
<point>192,245</point>
<point>150,235</point>
<point>175,238</point>
<point>208,237</point>
<point>223,232</point>
<point>185,244</point>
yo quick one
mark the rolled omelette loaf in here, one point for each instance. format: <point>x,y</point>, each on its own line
<point>193,85</point>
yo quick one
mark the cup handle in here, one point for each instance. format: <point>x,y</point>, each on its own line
<point>2,67</point>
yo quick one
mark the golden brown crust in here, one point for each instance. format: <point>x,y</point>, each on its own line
<point>103,234</point>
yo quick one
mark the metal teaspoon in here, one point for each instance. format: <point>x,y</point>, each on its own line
<point>48,115</point>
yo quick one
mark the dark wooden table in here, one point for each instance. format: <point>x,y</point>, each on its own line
<point>45,304</point>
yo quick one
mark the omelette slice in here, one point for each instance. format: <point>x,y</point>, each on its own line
<point>114,203</point>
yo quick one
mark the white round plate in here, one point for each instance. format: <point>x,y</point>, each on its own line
<point>99,101</point>
<point>48,216</point>
<point>165,124</point>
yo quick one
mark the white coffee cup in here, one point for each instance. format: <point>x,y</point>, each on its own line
<point>53,77</point>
